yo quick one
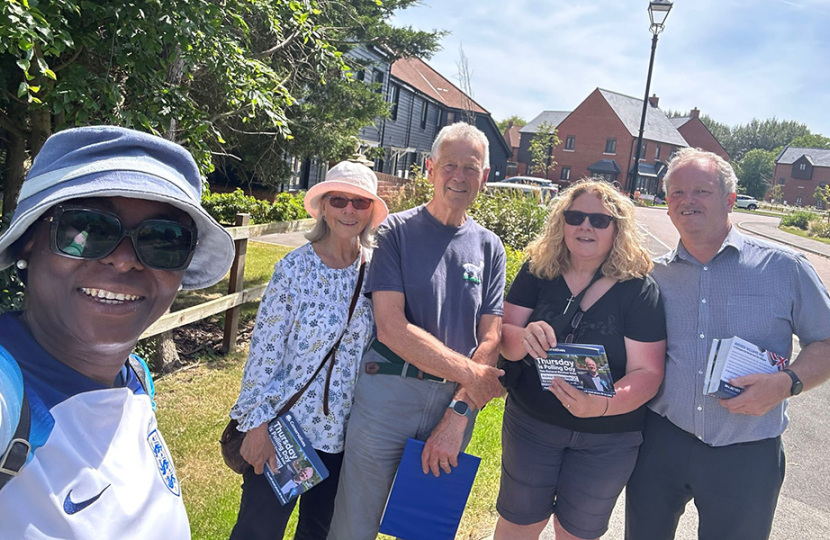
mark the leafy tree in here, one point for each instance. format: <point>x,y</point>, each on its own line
<point>762,134</point>
<point>516,119</point>
<point>822,194</point>
<point>205,73</point>
<point>541,149</point>
<point>720,131</point>
<point>776,193</point>
<point>755,171</point>
<point>811,140</point>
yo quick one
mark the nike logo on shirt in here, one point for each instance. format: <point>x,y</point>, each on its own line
<point>71,507</point>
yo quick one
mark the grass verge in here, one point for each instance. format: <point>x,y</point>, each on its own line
<point>798,232</point>
<point>193,410</point>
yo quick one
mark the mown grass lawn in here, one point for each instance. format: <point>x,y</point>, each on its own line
<point>193,407</point>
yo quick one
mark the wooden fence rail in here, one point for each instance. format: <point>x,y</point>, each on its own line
<point>230,304</point>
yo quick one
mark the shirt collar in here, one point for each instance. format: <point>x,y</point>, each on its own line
<point>734,239</point>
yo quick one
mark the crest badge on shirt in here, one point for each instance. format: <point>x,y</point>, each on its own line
<point>473,273</point>
<point>164,463</point>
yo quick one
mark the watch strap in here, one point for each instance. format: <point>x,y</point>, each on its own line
<point>796,381</point>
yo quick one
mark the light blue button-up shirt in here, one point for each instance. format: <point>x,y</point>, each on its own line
<point>761,292</point>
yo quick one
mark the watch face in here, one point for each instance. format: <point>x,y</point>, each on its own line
<point>796,388</point>
<point>461,408</point>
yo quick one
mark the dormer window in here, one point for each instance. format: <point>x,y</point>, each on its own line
<point>802,166</point>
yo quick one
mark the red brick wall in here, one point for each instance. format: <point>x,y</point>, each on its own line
<point>794,188</point>
<point>389,185</point>
<point>698,136</point>
<point>592,122</point>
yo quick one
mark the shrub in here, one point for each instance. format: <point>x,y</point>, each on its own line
<point>515,218</point>
<point>515,260</point>
<point>224,207</point>
<point>800,219</point>
<point>820,229</point>
<point>414,193</point>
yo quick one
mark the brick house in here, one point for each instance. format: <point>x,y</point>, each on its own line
<point>799,171</point>
<point>697,134</point>
<point>598,138</point>
<point>512,138</point>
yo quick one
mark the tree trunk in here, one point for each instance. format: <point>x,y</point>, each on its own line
<point>41,129</point>
<point>166,353</point>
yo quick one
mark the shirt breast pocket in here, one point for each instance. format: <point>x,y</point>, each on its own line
<point>749,317</point>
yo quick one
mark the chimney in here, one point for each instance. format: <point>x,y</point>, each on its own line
<point>509,124</point>
<point>695,113</point>
<point>654,100</point>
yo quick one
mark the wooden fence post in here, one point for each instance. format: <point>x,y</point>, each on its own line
<point>236,284</point>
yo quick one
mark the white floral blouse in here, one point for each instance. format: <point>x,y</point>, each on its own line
<point>302,313</point>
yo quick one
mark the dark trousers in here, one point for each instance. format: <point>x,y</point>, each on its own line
<point>262,517</point>
<point>735,487</point>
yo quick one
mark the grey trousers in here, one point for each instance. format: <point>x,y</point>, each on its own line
<point>387,410</point>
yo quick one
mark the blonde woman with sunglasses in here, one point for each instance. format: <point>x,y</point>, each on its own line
<point>302,316</point>
<point>568,453</point>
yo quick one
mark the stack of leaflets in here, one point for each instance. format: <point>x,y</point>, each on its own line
<point>299,468</point>
<point>583,366</point>
<point>736,357</point>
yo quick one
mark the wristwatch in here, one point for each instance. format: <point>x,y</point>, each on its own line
<point>460,408</point>
<point>797,386</point>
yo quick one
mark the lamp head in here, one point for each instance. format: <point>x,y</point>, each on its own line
<point>658,12</point>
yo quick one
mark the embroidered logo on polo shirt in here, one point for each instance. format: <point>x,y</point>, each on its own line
<point>473,273</point>
<point>72,507</point>
<point>164,463</point>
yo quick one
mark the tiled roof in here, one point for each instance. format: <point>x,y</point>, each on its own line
<point>551,117</point>
<point>429,82</point>
<point>679,121</point>
<point>629,110</point>
<point>819,157</point>
<point>605,166</point>
<point>511,136</point>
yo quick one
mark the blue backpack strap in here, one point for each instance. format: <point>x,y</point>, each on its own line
<point>16,453</point>
<point>142,372</point>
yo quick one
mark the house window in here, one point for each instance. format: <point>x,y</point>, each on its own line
<point>565,174</point>
<point>396,97</point>
<point>379,80</point>
<point>657,154</point>
<point>798,201</point>
<point>782,181</point>
<point>819,203</point>
<point>424,114</point>
<point>643,150</point>
<point>611,145</point>
<point>802,167</point>
<point>570,142</point>
<point>361,75</point>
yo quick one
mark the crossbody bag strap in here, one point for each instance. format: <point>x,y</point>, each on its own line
<point>291,402</point>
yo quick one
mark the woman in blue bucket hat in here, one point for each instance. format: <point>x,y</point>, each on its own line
<point>108,228</point>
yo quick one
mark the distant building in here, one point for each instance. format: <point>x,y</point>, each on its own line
<point>512,137</point>
<point>697,134</point>
<point>799,171</point>
<point>598,139</point>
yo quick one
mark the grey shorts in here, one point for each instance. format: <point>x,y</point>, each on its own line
<point>547,469</point>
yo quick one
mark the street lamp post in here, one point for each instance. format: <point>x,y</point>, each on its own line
<point>658,12</point>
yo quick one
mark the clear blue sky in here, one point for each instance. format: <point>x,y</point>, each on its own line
<point>733,59</point>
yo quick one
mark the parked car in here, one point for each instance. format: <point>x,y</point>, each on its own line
<point>745,201</point>
<point>543,195</point>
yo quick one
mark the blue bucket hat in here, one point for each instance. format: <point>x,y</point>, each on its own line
<point>108,161</point>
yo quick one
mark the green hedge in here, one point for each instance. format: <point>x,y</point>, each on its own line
<point>800,219</point>
<point>224,207</point>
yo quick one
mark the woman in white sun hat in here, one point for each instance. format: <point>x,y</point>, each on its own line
<point>304,322</point>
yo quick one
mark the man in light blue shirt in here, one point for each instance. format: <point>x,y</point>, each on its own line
<point>724,454</point>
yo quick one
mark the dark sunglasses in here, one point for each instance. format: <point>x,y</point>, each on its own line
<point>575,322</point>
<point>341,202</point>
<point>89,233</point>
<point>598,221</point>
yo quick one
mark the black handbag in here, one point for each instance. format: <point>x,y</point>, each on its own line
<point>513,369</point>
<point>231,439</point>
